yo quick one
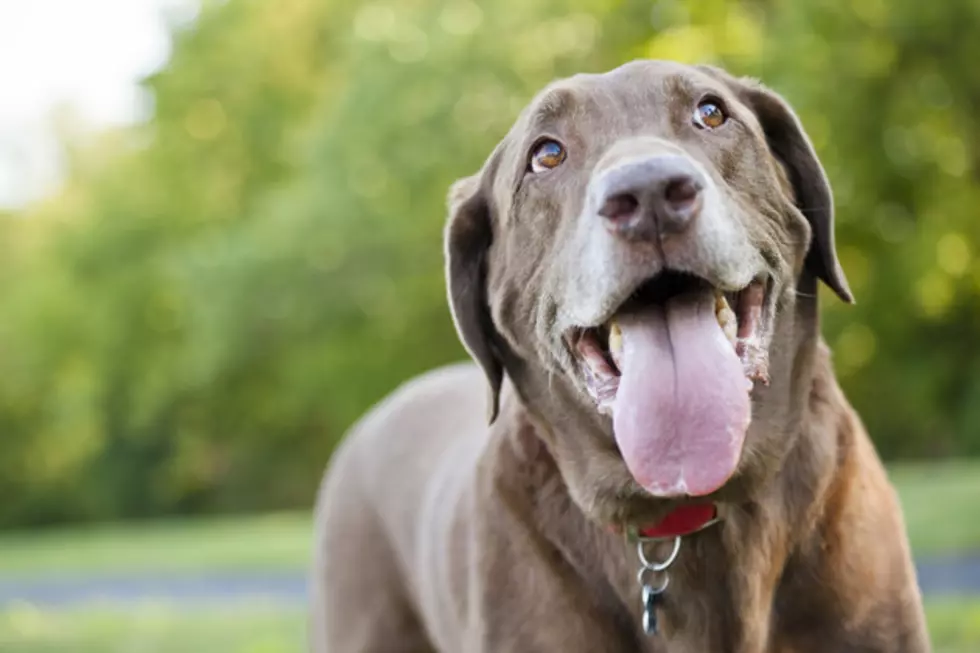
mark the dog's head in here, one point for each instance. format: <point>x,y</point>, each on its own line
<point>639,255</point>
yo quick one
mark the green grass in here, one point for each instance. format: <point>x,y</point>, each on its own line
<point>955,628</point>
<point>938,500</point>
<point>940,503</point>
<point>257,543</point>
<point>149,628</point>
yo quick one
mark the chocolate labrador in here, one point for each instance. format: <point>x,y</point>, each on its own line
<point>670,464</point>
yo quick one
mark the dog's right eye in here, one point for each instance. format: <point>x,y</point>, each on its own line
<point>709,114</point>
<point>545,155</point>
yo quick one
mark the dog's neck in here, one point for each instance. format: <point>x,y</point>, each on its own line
<point>726,584</point>
<point>718,599</point>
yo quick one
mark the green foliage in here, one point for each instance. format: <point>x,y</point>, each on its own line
<point>885,90</point>
<point>194,320</point>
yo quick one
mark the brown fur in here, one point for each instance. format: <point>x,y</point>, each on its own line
<point>436,532</point>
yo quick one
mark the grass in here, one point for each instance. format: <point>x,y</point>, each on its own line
<point>938,500</point>
<point>150,628</point>
<point>954,625</point>
<point>955,628</point>
<point>276,542</point>
<point>940,503</point>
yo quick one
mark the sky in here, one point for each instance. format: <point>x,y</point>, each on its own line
<point>86,54</point>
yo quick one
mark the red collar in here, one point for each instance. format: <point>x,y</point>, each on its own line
<point>682,520</point>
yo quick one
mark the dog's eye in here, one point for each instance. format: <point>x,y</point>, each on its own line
<point>709,115</point>
<point>546,155</point>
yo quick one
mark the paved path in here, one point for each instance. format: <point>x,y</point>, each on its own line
<point>66,591</point>
<point>950,576</point>
<point>956,576</point>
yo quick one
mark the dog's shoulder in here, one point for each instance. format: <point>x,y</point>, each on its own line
<point>449,395</point>
<point>854,547</point>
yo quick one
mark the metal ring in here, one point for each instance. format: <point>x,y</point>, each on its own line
<point>659,566</point>
<point>641,579</point>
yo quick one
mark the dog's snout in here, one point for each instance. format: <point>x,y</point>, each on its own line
<point>649,197</point>
<point>619,206</point>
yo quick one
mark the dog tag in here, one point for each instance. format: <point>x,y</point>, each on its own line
<point>651,598</point>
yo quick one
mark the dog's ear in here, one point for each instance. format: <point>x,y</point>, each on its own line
<point>467,241</point>
<point>791,146</point>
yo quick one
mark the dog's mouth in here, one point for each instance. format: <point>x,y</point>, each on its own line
<point>747,327</point>
<point>674,367</point>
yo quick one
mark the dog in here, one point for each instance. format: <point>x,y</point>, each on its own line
<point>670,464</point>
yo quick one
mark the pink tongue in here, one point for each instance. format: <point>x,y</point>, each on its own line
<point>683,406</point>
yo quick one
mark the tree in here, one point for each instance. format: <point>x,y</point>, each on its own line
<point>193,321</point>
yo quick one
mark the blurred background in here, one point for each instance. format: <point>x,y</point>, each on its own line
<point>220,242</point>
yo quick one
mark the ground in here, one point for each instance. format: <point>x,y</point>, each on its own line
<point>236,585</point>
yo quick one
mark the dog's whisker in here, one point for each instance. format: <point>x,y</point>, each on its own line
<point>799,293</point>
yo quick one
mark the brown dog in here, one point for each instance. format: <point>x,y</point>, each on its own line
<point>635,270</point>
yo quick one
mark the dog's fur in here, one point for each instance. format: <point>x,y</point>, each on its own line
<point>437,533</point>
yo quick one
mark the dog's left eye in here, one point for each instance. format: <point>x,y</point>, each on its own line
<point>709,115</point>
<point>546,155</point>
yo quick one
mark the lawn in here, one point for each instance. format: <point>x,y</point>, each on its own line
<point>955,628</point>
<point>940,504</point>
<point>257,543</point>
<point>937,501</point>
<point>153,628</point>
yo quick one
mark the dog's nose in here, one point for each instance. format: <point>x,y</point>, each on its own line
<point>650,197</point>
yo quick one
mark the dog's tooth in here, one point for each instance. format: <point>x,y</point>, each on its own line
<point>720,302</point>
<point>727,320</point>
<point>615,338</point>
<point>731,329</point>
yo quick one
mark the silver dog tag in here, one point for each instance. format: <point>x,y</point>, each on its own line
<point>651,597</point>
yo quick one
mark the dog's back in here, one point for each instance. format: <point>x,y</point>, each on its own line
<point>399,469</point>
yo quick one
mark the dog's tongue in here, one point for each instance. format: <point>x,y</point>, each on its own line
<point>682,408</point>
